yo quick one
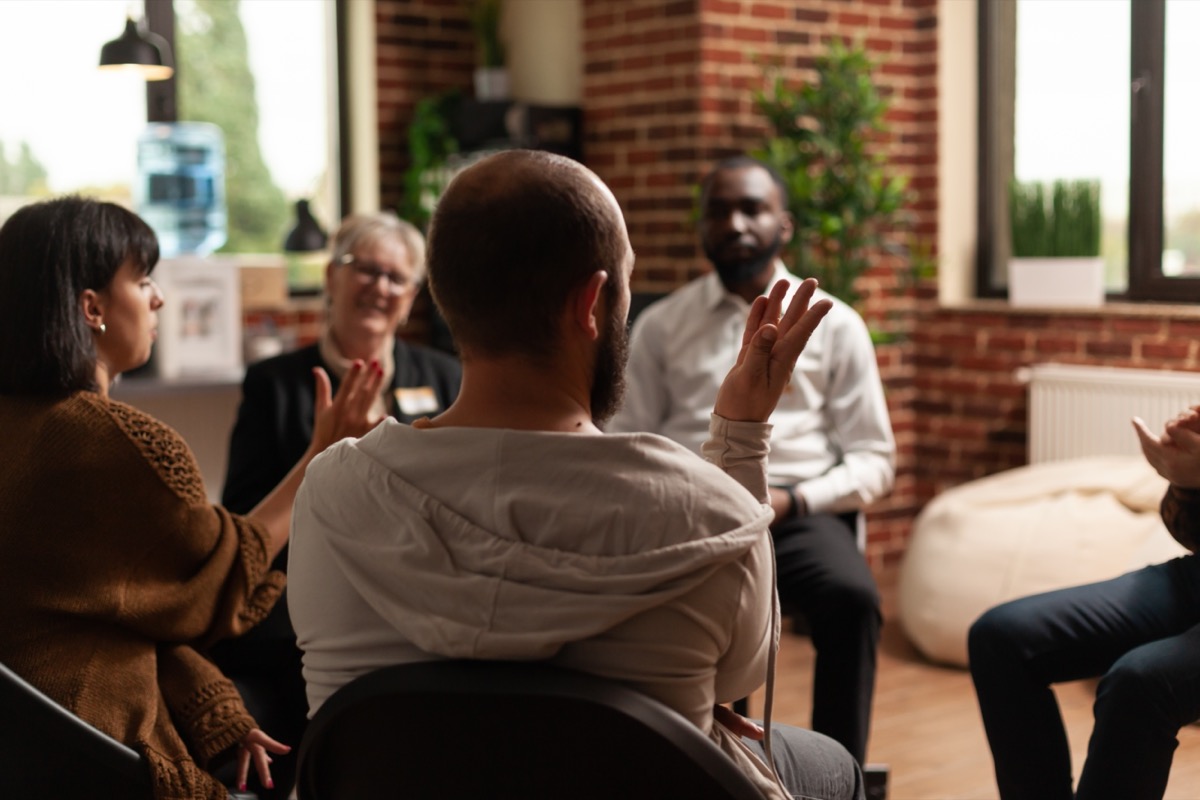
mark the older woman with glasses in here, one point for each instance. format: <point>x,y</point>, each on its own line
<point>375,271</point>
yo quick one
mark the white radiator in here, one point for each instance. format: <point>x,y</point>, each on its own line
<point>1077,411</point>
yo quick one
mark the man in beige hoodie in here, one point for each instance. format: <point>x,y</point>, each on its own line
<point>511,527</point>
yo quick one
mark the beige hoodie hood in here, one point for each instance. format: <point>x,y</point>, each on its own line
<point>512,544</point>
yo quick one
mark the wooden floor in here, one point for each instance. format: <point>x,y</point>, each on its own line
<point>926,724</point>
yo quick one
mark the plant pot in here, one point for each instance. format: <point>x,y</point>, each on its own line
<point>1056,282</point>
<point>491,83</point>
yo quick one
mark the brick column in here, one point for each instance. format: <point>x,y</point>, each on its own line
<point>668,90</point>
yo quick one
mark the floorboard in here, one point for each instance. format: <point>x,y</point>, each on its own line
<point>926,723</point>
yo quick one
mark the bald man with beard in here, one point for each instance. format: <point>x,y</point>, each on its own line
<point>511,527</point>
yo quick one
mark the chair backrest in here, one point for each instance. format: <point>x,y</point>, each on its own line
<point>491,729</point>
<point>49,752</point>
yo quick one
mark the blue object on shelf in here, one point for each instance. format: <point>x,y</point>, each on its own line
<point>180,189</point>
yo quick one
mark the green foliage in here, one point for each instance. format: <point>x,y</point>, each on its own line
<point>485,22</point>
<point>1064,223</point>
<point>430,144</point>
<point>841,196</point>
<point>216,85</point>
<point>24,176</point>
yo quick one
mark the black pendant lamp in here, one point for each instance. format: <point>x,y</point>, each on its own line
<point>306,236</point>
<point>140,51</point>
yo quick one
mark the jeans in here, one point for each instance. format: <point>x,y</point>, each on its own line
<point>1140,633</point>
<point>822,575</point>
<point>810,765</point>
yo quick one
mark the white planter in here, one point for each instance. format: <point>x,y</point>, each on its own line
<point>1056,282</point>
<point>491,83</point>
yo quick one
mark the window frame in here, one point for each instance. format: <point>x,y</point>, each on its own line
<point>997,59</point>
<point>161,103</point>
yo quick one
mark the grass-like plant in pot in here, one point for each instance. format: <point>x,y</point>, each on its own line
<point>491,69</point>
<point>1055,243</point>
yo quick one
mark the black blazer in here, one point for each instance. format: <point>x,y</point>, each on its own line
<point>275,420</point>
<point>274,427</point>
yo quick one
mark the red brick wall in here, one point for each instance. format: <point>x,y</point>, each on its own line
<point>971,411</point>
<point>668,90</point>
<point>642,126</point>
<point>422,47</point>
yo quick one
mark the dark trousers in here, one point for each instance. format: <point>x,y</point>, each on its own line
<point>822,575</point>
<point>1141,633</point>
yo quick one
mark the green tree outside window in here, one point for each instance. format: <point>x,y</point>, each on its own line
<point>217,86</point>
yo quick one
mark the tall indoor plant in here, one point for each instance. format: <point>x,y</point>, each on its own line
<point>1055,244</point>
<point>431,143</point>
<point>823,139</point>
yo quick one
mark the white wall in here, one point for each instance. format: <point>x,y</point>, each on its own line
<point>545,50</point>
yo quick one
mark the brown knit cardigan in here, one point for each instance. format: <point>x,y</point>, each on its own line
<point>115,575</point>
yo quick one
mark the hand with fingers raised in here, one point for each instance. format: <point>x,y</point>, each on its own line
<point>771,343</point>
<point>349,413</point>
<point>1175,453</point>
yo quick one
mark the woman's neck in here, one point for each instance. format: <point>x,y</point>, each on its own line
<point>365,347</point>
<point>103,379</point>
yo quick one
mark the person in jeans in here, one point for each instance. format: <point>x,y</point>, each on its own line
<point>1139,633</point>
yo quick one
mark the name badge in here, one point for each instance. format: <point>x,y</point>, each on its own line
<point>416,400</point>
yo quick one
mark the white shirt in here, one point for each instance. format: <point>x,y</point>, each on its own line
<point>832,437</point>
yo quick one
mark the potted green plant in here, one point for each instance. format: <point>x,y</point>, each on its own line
<point>823,137</point>
<point>1055,244</point>
<point>430,144</point>
<point>491,71</point>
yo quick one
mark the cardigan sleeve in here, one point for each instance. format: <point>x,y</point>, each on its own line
<point>205,705</point>
<point>193,571</point>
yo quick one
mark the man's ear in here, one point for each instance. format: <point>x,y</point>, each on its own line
<point>788,227</point>
<point>586,313</point>
<point>91,305</point>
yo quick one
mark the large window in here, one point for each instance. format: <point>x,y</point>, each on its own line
<point>1103,90</point>
<point>264,71</point>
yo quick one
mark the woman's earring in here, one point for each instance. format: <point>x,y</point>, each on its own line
<point>103,328</point>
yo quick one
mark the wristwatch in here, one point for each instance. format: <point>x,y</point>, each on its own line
<point>794,501</point>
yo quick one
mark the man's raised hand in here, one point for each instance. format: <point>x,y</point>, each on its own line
<point>771,343</point>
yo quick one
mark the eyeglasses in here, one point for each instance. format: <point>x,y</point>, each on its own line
<point>368,273</point>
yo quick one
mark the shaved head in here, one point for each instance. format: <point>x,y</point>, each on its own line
<point>512,237</point>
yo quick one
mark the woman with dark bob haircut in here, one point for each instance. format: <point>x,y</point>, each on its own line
<point>125,575</point>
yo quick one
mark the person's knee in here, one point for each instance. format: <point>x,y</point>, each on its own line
<point>998,631</point>
<point>811,764</point>
<point>850,604</point>
<point>1135,689</point>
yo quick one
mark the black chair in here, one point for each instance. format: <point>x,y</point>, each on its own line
<point>451,729</point>
<point>49,752</point>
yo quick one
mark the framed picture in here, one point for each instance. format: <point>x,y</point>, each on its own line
<point>200,324</point>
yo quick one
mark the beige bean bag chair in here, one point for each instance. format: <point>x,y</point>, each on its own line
<point>1023,531</point>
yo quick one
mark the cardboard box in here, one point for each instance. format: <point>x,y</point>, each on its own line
<point>264,285</point>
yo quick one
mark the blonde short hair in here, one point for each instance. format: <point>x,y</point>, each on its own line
<point>368,228</point>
